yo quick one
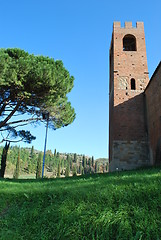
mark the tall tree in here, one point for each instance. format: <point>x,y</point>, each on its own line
<point>58,172</point>
<point>96,167</point>
<point>39,165</point>
<point>80,168</point>
<point>67,171</point>
<point>75,157</point>
<point>33,89</point>
<point>62,163</point>
<point>84,161</point>
<point>58,155</point>
<point>17,170</point>
<point>92,161</point>
<point>35,85</point>
<point>69,161</point>
<point>107,169</point>
<point>33,160</point>
<point>4,159</point>
<point>55,152</point>
<point>74,170</point>
<point>32,152</point>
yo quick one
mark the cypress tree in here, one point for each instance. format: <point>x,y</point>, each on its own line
<point>39,166</point>
<point>74,170</point>
<point>58,155</point>
<point>29,166</point>
<point>75,157</point>
<point>80,169</point>
<point>33,160</point>
<point>89,162</point>
<point>17,170</point>
<point>32,152</point>
<point>69,161</point>
<point>55,152</point>
<point>68,158</point>
<point>96,167</point>
<point>84,161</point>
<point>62,163</point>
<point>4,159</point>
<point>107,167</point>
<point>67,171</point>
<point>58,173</point>
<point>92,161</point>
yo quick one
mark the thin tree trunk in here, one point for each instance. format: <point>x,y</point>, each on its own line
<point>4,159</point>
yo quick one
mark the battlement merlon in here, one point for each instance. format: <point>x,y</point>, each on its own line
<point>140,25</point>
<point>128,25</point>
<point>116,25</point>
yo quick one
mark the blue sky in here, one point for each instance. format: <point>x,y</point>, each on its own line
<point>78,32</point>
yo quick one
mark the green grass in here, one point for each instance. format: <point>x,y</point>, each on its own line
<point>120,206</point>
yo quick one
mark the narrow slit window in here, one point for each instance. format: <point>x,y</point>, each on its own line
<point>129,43</point>
<point>133,86</point>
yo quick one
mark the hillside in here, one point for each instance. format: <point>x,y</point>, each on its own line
<point>56,164</point>
<point>121,206</point>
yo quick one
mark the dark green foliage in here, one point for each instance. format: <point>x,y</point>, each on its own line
<point>96,167</point>
<point>29,157</point>
<point>84,161</point>
<point>58,173</point>
<point>92,161</point>
<point>29,167</point>
<point>67,171</point>
<point>32,162</point>
<point>31,86</point>
<point>119,206</point>
<point>55,153</point>
<point>17,170</point>
<point>80,169</point>
<point>74,170</point>
<point>58,155</point>
<point>107,168</point>
<point>34,85</point>
<point>4,159</point>
<point>75,158</point>
<point>39,166</point>
<point>69,161</point>
<point>62,163</point>
<point>68,158</point>
<point>32,152</point>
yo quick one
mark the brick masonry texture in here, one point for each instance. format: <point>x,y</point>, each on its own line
<point>153,108</point>
<point>132,139</point>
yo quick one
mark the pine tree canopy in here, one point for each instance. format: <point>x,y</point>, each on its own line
<point>33,86</point>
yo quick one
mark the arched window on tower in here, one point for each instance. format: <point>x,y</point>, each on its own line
<point>129,43</point>
<point>133,86</point>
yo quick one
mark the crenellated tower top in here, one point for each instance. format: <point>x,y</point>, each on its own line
<point>127,25</point>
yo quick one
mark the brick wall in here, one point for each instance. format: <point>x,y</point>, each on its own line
<point>153,106</point>
<point>127,112</point>
<point>128,104</point>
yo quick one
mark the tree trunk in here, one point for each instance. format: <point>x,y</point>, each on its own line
<point>10,115</point>
<point>4,159</point>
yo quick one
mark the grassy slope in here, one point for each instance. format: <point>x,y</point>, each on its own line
<point>105,206</point>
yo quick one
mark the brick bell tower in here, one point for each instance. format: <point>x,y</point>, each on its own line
<point>128,141</point>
